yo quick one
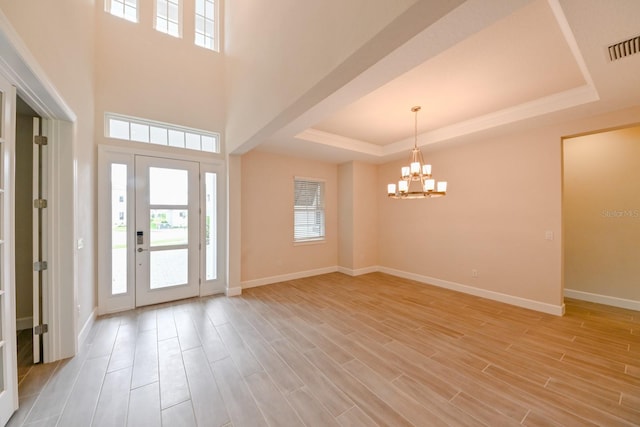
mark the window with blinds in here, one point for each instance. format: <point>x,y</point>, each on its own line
<point>308,210</point>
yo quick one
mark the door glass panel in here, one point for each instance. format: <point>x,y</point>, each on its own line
<point>118,229</point>
<point>211,228</point>
<point>169,227</point>
<point>168,186</point>
<point>168,268</point>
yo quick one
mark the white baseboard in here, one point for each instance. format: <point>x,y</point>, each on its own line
<point>557,310</point>
<point>24,323</point>
<point>233,292</point>
<point>86,328</point>
<point>290,276</point>
<point>603,299</point>
<point>358,271</point>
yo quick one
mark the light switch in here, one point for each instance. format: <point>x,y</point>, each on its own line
<point>548,235</point>
<point>80,243</point>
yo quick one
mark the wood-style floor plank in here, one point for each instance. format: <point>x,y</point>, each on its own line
<point>85,393</point>
<point>208,406</point>
<point>174,387</point>
<point>113,403</point>
<point>144,406</point>
<point>338,350</point>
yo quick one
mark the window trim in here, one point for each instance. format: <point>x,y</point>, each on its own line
<point>318,209</point>
<point>165,126</point>
<point>180,19</point>
<point>107,8</point>
<point>215,43</point>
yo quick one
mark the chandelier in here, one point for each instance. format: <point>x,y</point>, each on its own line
<point>416,181</point>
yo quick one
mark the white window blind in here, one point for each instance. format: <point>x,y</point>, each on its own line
<point>308,210</point>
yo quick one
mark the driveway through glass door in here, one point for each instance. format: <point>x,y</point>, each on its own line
<point>167,229</point>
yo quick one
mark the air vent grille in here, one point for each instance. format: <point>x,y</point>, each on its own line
<point>624,48</point>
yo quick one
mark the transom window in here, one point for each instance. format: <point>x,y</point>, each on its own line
<point>151,132</point>
<point>168,14</point>
<point>308,210</point>
<point>126,9</point>
<point>206,24</point>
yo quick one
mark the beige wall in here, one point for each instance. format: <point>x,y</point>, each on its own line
<point>267,216</point>
<point>365,209</point>
<point>357,215</point>
<point>345,215</point>
<point>504,195</point>
<point>292,46</point>
<point>59,35</point>
<point>158,77</point>
<point>601,203</point>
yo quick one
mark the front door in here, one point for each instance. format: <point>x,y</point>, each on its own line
<point>167,230</point>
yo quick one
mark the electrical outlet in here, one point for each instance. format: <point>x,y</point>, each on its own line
<point>474,273</point>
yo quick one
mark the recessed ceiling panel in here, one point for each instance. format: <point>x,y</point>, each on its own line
<point>519,59</point>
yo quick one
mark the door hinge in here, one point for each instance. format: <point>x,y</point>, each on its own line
<point>40,140</point>
<point>41,329</point>
<point>40,265</point>
<point>40,203</point>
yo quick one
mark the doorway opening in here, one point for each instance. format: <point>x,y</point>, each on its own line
<point>601,217</point>
<point>27,238</point>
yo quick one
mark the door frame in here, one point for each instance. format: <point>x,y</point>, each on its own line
<point>20,68</point>
<point>125,153</point>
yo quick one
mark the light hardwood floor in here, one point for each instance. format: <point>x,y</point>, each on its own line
<point>335,350</point>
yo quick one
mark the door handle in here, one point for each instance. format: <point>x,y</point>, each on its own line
<point>141,249</point>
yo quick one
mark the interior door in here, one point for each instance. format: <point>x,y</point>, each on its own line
<point>39,236</point>
<point>8,368</point>
<point>167,229</point>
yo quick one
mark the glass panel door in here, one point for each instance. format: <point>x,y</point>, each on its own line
<point>167,230</point>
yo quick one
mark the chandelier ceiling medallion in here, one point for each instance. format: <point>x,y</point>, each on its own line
<point>416,181</point>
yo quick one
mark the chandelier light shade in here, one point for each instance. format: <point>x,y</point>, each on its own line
<point>416,181</point>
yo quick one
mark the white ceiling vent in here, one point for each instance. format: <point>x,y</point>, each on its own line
<point>624,48</point>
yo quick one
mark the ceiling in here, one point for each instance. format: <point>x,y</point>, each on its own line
<point>501,69</point>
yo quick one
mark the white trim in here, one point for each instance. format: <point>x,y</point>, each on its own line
<point>557,310</point>
<point>152,150</point>
<point>161,125</point>
<point>23,323</point>
<point>60,296</point>
<point>284,277</point>
<point>359,271</point>
<point>233,292</point>
<point>86,328</point>
<point>603,299</point>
